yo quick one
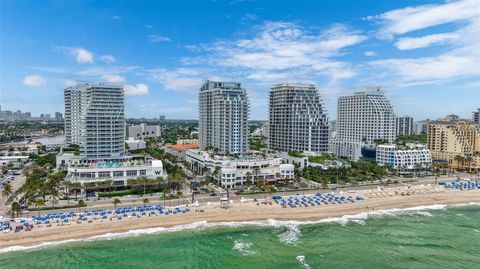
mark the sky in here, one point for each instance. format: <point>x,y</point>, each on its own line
<point>425,55</point>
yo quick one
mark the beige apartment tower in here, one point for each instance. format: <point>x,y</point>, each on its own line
<point>457,142</point>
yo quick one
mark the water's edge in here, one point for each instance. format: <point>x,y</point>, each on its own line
<point>358,218</point>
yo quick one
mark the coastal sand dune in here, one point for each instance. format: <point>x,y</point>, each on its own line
<point>238,212</point>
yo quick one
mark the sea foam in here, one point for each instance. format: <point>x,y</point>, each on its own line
<point>301,260</point>
<point>289,237</point>
<point>243,247</point>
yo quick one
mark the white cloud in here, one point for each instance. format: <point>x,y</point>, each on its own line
<point>402,21</point>
<point>455,64</point>
<point>158,38</point>
<point>70,82</point>
<point>116,17</point>
<point>148,26</point>
<point>113,79</point>
<point>409,43</point>
<point>180,79</point>
<point>81,55</point>
<point>34,81</point>
<point>249,17</point>
<point>462,60</point>
<point>100,71</point>
<point>108,59</point>
<point>370,53</point>
<point>135,90</point>
<point>279,47</point>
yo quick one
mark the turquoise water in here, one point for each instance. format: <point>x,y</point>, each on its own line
<point>423,238</point>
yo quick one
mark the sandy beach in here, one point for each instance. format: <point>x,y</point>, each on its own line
<point>237,212</point>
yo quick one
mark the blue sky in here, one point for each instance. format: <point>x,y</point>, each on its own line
<point>424,54</point>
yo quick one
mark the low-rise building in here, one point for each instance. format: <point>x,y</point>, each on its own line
<point>134,144</point>
<point>187,141</point>
<point>142,131</point>
<point>119,170</point>
<point>232,172</point>
<point>407,160</point>
<point>179,150</point>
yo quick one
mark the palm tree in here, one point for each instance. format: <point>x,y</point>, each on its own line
<point>76,186</point>
<point>459,159</point>
<point>7,190</point>
<point>39,203</point>
<point>165,192</point>
<point>248,176</point>
<point>108,184</point>
<point>133,183</point>
<point>216,171</point>
<point>54,195</point>
<point>116,202</point>
<point>324,183</point>
<point>469,160</point>
<point>256,169</point>
<point>144,181</point>
<point>81,204</point>
<point>15,208</point>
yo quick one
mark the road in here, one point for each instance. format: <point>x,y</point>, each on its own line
<point>16,183</point>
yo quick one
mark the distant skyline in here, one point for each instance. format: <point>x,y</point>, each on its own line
<point>424,54</point>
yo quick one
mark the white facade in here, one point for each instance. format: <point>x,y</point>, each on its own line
<point>134,144</point>
<point>303,162</point>
<point>94,119</point>
<point>223,115</point>
<point>362,118</point>
<point>404,159</point>
<point>297,119</point>
<point>420,127</point>
<point>119,171</point>
<point>142,131</point>
<point>403,125</point>
<point>233,171</point>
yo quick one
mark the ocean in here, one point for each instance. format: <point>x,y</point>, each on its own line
<point>423,237</point>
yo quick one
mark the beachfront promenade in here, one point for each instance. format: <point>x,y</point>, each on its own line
<point>207,214</point>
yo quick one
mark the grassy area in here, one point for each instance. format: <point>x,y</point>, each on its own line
<point>322,158</point>
<point>258,142</point>
<point>295,153</point>
<point>420,138</point>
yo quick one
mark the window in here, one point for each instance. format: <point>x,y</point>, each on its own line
<point>131,173</point>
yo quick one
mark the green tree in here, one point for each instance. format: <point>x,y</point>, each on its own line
<point>7,190</point>
<point>145,201</point>
<point>16,208</point>
<point>116,202</point>
<point>39,203</point>
<point>81,204</point>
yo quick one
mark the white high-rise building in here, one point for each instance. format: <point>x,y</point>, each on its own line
<point>297,119</point>
<point>223,116</point>
<point>403,125</point>
<point>362,119</point>
<point>94,120</point>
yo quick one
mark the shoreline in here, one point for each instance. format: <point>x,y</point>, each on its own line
<point>238,214</point>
